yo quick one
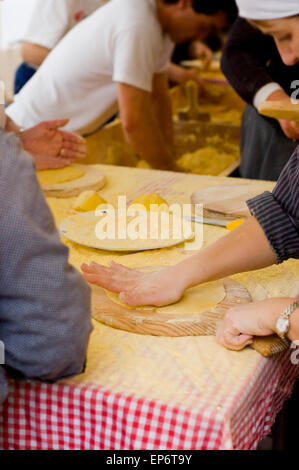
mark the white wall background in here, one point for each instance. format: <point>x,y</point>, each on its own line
<point>11,21</point>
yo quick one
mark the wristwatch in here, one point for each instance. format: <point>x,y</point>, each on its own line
<point>283,321</point>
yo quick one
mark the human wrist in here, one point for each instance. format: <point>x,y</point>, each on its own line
<point>274,309</point>
<point>188,273</point>
<point>178,274</point>
<point>22,136</point>
<point>278,95</point>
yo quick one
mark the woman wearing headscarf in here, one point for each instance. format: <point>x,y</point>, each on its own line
<point>260,68</point>
<point>269,236</point>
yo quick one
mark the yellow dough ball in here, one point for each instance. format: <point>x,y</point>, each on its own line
<point>151,202</point>
<point>144,165</point>
<point>62,175</point>
<point>88,201</point>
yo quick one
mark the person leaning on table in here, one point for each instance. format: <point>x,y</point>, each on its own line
<point>122,53</point>
<point>270,235</point>
<point>44,25</point>
<point>49,21</point>
<point>258,73</point>
<point>44,302</point>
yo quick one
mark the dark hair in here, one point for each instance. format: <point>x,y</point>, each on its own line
<point>210,7</point>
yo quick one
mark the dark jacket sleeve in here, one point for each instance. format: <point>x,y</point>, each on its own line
<point>244,60</point>
<point>278,212</point>
<point>44,302</point>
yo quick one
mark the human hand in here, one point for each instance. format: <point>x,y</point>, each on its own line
<point>51,147</point>
<point>242,323</point>
<point>136,288</point>
<point>289,128</point>
<point>199,50</point>
<point>192,75</point>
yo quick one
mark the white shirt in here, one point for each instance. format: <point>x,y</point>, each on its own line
<point>121,42</point>
<point>44,22</point>
<point>263,93</point>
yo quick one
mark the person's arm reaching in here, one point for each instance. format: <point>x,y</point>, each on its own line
<point>178,74</point>
<point>199,50</point>
<point>270,236</point>
<point>244,249</point>
<point>244,60</point>
<point>255,319</point>
<point>244,63</point>
<point>163,107</point>
<point>142,128</point>
<point>140,58</point>
<point>50,146</point>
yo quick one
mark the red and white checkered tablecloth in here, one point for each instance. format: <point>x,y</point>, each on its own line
<point>39,416</point>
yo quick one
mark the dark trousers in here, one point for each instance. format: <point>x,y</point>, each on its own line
<point>265,149</point>
<point>22,76</point>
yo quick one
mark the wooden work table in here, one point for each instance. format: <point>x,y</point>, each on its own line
<point>144,392</point>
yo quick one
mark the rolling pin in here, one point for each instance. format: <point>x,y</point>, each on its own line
<point>280,110</point>
<point>192,112</point>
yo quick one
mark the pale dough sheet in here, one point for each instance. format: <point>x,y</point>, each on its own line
<point>196,300</point>
<point>82,229</point>
<point>63,175</point>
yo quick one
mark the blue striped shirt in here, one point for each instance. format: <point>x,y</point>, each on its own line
<point>278,212</point>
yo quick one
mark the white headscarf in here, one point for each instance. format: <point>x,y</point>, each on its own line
<point>267,9</point>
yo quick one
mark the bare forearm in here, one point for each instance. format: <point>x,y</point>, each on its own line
<point>147,139</point>
<point>163,109</point>
<point>176,73</point>
<point>33,53</point>
<point>11,126</point>
<point>244,249</point>
<point>142,127</point>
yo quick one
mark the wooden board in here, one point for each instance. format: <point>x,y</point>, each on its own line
<point>93,179</point>
<point>280,110</point>
<point>269,345</point>
<point>148,322</point>
<point>229,201</point>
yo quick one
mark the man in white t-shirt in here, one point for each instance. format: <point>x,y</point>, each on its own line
<point>118,59</point>
<point>41,25</point>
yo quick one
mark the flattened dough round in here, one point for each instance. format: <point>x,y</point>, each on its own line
<point>59,176</point>
<point>101,231</point>
<point>198,299</point>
